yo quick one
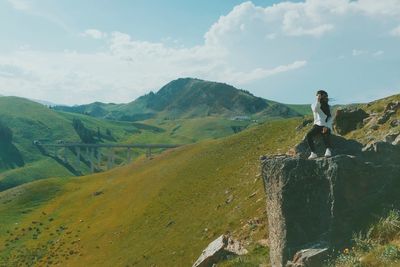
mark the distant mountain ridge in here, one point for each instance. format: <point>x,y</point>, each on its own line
<point>188,98</point>
<point>43,102</point>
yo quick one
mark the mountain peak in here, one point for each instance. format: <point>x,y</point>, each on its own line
<point>192,97</point>
<point>195,97</point>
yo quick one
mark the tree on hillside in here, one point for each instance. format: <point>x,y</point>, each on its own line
<point>85,134</point>
<point>6,134</point>
<point>10,156</point>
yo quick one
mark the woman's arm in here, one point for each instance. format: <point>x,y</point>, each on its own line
<point>316,106</point>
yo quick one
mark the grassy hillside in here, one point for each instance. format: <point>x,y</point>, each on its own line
<point>189,98</point>
<point>30,121</point>
<point>184,131</point>
<point>159,212</point>
<point>301,109</point>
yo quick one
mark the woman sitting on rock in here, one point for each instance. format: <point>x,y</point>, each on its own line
<point>322,124</point>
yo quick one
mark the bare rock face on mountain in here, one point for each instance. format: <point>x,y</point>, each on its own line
<point>320,203</point>
<point>349,119</point>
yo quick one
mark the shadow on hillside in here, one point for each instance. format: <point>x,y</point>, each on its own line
<point>84,160</point>
<point>66,165</point>
<point>10,156</point>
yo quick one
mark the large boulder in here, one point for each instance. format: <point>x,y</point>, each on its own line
<point>392,106</point>
<point>385,116</point>
<point>395,123</point>
<point>349,119</point>
<point>396,141</point>
<point>221,248</point>
<point>340,145</point>
<point>390,109</point>
<point>321,203</point>
<point>304,124</point>
<point>312,257</point>
<point>391,137</point>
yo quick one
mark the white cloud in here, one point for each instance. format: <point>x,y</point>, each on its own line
<point>378,53</point>
<point>317,31</point>
<point>311,18</point>
<point>358,52</point>
<point>19,4</point>
<point>24,47</point>
<point>380,8</point>
<point>395,31</point>
<point>260,73</point>
<point>127,70</point>
<point>271,36</point>
<point>94,33</point>
<point>293,20</point>
<point>249,44</point>
<point>6,74</point>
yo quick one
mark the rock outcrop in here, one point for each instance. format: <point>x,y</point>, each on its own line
<point>396,142</point>
<point>308,258</point>
<point>395,123</point>
<point>340,146</point>
<point>220,249</point>
<point>390,109</point>
<point>391,137</point>
<point>349,119</point>
<point>304,124</point>
<point>321,203</point>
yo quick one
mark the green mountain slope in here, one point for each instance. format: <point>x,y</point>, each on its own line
<point>21,161</point>
<point>159,212</point>
<point>188,98</point>
<point>301,109</point>
<point>29,121</point>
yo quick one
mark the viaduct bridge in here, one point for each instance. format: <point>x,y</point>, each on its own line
<point>93,155</point>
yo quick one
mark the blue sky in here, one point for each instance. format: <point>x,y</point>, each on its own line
<point>75,52</point>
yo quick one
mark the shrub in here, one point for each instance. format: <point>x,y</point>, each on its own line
<point>390,253</point>
<point>85,134</point>
<point>386,229</point>
<point>373,247</point>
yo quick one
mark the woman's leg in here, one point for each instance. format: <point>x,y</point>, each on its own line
<point>315,130</point>
<point>327,139</point>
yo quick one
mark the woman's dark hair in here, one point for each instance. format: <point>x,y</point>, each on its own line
<point>323,93</point>
<point>324,104</point>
